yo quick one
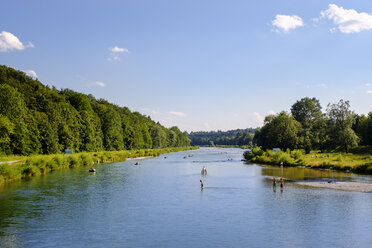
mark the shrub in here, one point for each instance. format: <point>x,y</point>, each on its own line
<point>257,151</point>
<point>29,169</point>
<point>85,160</point>
<point>248,155</point>
<point>73,161</point>
<point>296,154</point>
<point>52,165</point>
<point>8,171</point>
<point>40,164</point>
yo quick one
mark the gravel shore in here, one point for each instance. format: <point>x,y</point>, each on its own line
<point>347,186</point>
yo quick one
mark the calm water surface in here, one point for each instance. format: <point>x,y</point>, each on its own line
<point>159,204</point>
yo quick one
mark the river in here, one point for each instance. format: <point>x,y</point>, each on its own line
<point>159,203</point>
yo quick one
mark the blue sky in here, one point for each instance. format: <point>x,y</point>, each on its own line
<point>200,65</point>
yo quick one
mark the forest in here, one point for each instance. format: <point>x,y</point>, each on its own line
<point>308,127</point>
<point>39,119</point>
<point>237,137</point>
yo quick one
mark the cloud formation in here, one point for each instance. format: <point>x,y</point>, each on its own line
<point>369,91</point>
<point>100,84</point>
<point>114,53</point>
<point>116,49</point>
<point>347,20</point>
<point>286,23</point>
<point>31,73</point>
<point>30,45</point>
<point>9,42</point>
<point>177,113</point>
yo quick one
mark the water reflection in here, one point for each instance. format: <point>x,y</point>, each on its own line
<point>161,204</point>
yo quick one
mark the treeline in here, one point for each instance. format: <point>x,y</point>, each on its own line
<point>37,119</point>
<point>238,137</point>
<point>307,127</point>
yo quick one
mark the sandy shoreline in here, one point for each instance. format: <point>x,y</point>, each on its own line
<point>347,186</point>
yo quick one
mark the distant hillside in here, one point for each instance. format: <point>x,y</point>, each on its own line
<point>38,119</point>
<point>236,137</point>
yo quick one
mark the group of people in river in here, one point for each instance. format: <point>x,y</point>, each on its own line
<point>281,181</point>
<point>203,173</point>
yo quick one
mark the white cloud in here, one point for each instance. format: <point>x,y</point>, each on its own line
<point>368,84</point>
<point>285,22</point>
<point>30,45</point>
<point>347,20</point>
<point>258,119</point>
<point>116,49</point>
<point>177,113</point>
<point>9,42</point>
<point>31,73</point>
<point>100,84</point>
<point>271,112</point>
<point>369,91</point>
<point>96,83</point>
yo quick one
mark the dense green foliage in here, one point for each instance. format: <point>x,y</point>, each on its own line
<point>37,119</point>
<point>308,128</point>
<point>354,162</point>
<point>238,137</point>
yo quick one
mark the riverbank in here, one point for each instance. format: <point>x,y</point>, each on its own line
<point>18,167</point>
<point>346,186</point>
<point>348,162</point>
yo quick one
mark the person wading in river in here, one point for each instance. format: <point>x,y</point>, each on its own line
<point>274,184</point>
<point>281,184</point>
<point>201,184</point>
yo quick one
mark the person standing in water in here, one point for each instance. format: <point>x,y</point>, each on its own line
<point>281,184</point>
<point>201,184</point>
<point>274,184</point>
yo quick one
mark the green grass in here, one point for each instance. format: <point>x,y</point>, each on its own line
<point>352,162</point>
<point>27,166</point>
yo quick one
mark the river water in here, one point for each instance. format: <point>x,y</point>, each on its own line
<point>159,203</point>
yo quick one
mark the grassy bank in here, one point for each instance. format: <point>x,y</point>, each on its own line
<point>350,162</point>
<point>42,164</point>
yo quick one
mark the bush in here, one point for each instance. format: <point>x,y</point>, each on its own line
<point>257,151</point>
<point>73,162</point>
<point>8,171</point>
<point>248,155</point>
<point>85,160</point>
<point>296,154</point>
<point>281,156</point>
<point>29,169</point>
<point>40,164</point>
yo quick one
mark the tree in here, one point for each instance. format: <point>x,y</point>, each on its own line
<point>6,130</point>
<point>279,131</point>
<point>35,118</point>
<point>14,108</point>
<point>360,127</point>
<point>340,121</point>
<point>159,137</point>
<point>308,112</point>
